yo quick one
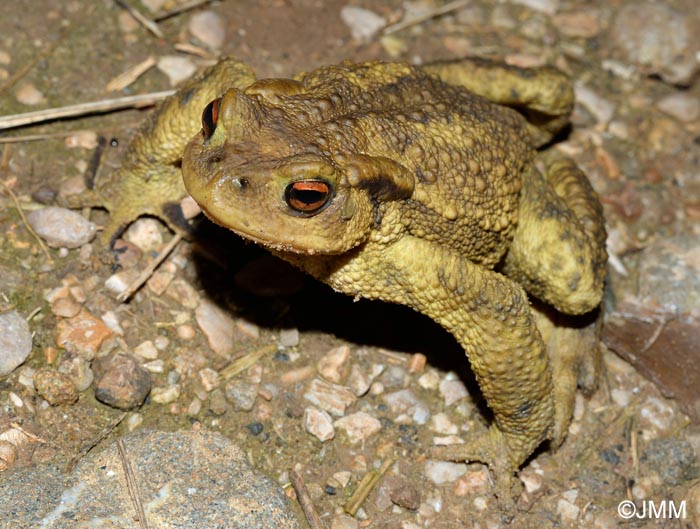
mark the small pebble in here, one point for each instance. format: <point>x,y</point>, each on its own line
<point>217,402</point>
<point>473,482</point>
<point>603,110</point>
<point>248,328</point>
<point>15,341</point>
<point>684,107</point>
<point>145,234</point>
<point>657,413</point>
<point>319,424</point>
<point>344,521</point>
<point>186,332</point>
<point>166,395</point>
<point>333,398</point>
<point>395,377</point>
<point>120,381</point>
<point>452,390</point>
<point>444,471</point>
<point>241,394</point>
<point>416,364</point>
<point>146,350</point>
<point>210,378</point>
<point>578,24</point>
<point>442,424</point>
<point>176,68</point>
<point>65,307</point>
<point>111,320</point>
<point>183,293</point>
<point>208,28</point>
<point>78,369</point>
<point>61,228</point>
<point>28,94</point>
<point>44,194</point>
<point>358,426</point>
<point>255,428</point>
<point>406,496</point>
<point>429,380</point>
<point>84,139</point>
<point>83,334</point>
<point>8,455</point>
<point>568,512</point>
<point>405,402</point>
<point>55,387</point>
<point>674,460</point>
<point>363,23</point>
<point>289,337</point>
<point>331,365</point>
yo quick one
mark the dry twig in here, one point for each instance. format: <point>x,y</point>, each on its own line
<point>442,10</point>
<point>94,442</point>
<point>148,271</point>
<point>124,79</point>
<point>307,504</point>
<point>141,18</point>
<point>132,486</point>
<point>365,487</point>
<point>244,362</point>
<point>181,9</point>
<point>82,109</point>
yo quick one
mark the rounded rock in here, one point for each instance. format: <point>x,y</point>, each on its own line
<point>55,387</point>
<point>15,341</point>
<point>120,381</point>
<point>61,228</point>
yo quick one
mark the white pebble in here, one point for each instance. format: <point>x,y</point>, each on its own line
<point>567,511</point>
<point>61,228</point>
<point>358,426</point>
<point>28,94</point>
<point>452,390</point>
<point>319,424</point>
<point>683,107</point>
<point>165,395</point>
<point>145,234</point>
<point>208,28</point>
<point>444,471</point>
<point>176,68</point>
<point>363,23</point>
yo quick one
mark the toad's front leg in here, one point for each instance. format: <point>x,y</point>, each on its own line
<point>490,317</point>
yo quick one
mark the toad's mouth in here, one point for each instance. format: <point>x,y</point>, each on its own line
<point>263,238</point>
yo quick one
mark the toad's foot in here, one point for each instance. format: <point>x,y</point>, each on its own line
<point>494,450</point>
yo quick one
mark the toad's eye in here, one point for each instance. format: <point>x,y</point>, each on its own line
<point>210,117</point>
<point>308,196</point>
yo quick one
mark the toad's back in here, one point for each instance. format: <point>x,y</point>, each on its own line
<point>465,153</point>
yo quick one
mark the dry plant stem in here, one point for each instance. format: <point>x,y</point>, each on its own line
<point>246,361</point>
<point>33,437</point>
<point>94,442</point>
<point>141,18</point>
<point>124,79</point>
<point>305,501</point>
<point>132,486</point>
<point>366,486</point>
<point>148,271</point>
<point>442,10</point>
<point>82,109</point>
<point>18,207</point>
<point>181,9</point>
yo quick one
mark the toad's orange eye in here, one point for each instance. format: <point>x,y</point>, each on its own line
<point>210,117</point>
<point>308,196</point>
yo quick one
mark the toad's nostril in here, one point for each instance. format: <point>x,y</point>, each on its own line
<point>240,183</point>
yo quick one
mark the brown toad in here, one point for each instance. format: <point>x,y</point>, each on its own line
<point>394,182</point>
<point>418,186</point>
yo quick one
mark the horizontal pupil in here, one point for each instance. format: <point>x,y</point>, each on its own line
<point>308,197</point>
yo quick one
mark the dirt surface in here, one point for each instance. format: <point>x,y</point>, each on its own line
<point>641,154</point>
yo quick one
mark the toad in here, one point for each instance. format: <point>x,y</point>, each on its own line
<point>421,186</point>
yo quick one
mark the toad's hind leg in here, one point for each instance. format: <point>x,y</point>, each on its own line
<point>558,255</point>
<point>558,249</point>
